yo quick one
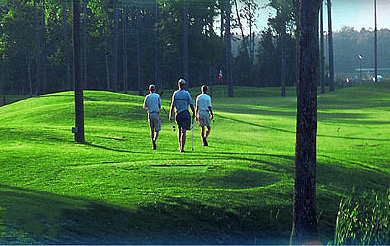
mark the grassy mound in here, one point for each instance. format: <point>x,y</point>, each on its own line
<point>114,189</point>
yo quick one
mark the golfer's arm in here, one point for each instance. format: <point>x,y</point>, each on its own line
<point>145,107</point>
<point>192,108</point>
<point>171,111</point>
<point>197,110</point>
<point>211,112</point>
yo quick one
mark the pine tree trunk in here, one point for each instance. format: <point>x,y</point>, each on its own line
<point>66,44</point>
<point>85,44</point>
<point>140,52</point>
<point>330,45</point>
<point>44,63</point>
<point>222,20</point>
<point>228,50</point>
<point>322,57</point>
<point>185,44</point>
<point>115,46</point>
<point>78,91</point>
<point>2,78</point>
<point>304,230</point>
<point>124,48</point>
<point>107,58</point>
<point>38,49</point>
<point>284,60</point>
<point>28,63</point>
<point>157,50</point>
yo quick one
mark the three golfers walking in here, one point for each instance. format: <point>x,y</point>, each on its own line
<point>180,104</point>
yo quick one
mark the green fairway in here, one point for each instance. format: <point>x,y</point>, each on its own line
<point>116,190</point>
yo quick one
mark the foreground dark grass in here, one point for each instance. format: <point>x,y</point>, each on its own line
<point>115,190</point>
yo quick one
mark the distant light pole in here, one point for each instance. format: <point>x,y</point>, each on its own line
<point>360,61</point>
<point>376,44</point>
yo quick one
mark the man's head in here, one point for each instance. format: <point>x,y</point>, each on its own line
<point>182,84</point>
<point>152,88</point>
<point>204,89</point>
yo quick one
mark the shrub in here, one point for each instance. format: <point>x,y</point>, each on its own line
<point>363,220</point>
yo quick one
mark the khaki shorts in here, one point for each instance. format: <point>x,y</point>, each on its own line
<point>204,120</point>
<point>154,122</point>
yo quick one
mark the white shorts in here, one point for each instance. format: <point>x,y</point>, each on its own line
<point>204,120</point>
<point>154,122</point>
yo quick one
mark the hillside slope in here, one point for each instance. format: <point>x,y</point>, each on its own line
<point>115,190</point>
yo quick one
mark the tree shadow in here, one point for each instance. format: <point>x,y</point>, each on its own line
<point>47,218</point>
<point>289,131</point>
<point>112,149</point>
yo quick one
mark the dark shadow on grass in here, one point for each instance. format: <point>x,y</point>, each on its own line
<point>112,149</point>
<point>257,125</point>
<point>36,217</point>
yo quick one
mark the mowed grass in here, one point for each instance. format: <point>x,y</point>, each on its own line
<point>116,190</point>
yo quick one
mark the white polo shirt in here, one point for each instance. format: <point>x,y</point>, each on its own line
<point>153,102</point>
<point>203,101</point>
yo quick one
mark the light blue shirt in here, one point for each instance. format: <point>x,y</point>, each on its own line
<point>203,101</point>
<point>153,103</point>
<point>181,99</point>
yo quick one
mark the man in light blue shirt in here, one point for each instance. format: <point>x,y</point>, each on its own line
<point>181,99</point>
<point>152,104</point>
<point>203,112</point>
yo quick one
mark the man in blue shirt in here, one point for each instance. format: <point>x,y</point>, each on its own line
<point>152,104</point>
<point>203,112</point>
<point>181,99</point>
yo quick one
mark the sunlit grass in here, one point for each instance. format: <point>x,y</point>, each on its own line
<point>115,189</point>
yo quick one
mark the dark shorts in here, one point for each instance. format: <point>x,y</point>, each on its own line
<point>184,120</point>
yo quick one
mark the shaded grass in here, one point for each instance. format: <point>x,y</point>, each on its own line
<point>114,189</point>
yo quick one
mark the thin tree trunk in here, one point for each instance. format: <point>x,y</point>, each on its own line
<point>85,43</point>
<point>2,78</point>
<point>44,64</point>
<point>222,21</point>
<point>185,43</point>
<point>239,21</point>
<point>157,50</point>
<point>375,44</point>
<point>330,44</point>
<point>124,49</point>
<point>284,62</point>
<point>140,52</point>
<point>115,46</point>
<point>107,57</point>
<point>322,58</point>
<point>28,63</point>
<point>78,91</point>
<point>304,230</point>
<point>66,44</point>
<point>228,50</point>
<point>38,49</point>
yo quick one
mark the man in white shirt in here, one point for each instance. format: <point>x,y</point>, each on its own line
<point>152,104</point>
<point>203,112</point>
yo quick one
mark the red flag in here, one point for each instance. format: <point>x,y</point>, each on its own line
<point>220,75</point>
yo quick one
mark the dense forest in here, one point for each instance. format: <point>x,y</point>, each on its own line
<point>129,44</point>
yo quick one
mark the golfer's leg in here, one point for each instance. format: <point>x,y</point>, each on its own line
<point>183,139</point>
<point>179,136</point>
<point>202,132</point>
<point>208,131</point>
<point>155,136</point>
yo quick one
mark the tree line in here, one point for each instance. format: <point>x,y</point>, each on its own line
<point>126,44</point>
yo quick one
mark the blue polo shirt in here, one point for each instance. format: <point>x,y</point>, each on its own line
<point>181,99</point>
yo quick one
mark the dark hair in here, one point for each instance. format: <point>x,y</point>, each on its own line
<point>204,88</point>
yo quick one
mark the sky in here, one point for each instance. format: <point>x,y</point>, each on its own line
<point>352,13</point>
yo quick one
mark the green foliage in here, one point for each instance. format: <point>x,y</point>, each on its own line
<point>363,219</point>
